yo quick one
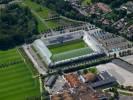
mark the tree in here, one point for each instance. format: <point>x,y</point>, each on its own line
<point>16,24</point>
<point>5,1</point>
<point>85,71</point>
<point>115,55</point>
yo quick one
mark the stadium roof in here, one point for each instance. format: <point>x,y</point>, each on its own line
<point>42,50</point>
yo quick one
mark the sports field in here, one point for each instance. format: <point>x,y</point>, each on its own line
<point>17,77</point>
<point>67,46</point>
<point>71,54</point>
<point>69,50</point>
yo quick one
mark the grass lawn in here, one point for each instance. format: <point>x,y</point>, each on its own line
<point>8,56</point>
<point>85,2</point>
<point>67,46</point>
<point>93,70</point>
<point>53,23</point>
<point>45,13</point>
<point>42,11</point>
<point>71,54</point>
<point>41,26</point>
<point>69,50</point>
<point>59,22</point>
<point>17,81</point>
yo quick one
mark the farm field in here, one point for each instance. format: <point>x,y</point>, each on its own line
<point>17,80</point>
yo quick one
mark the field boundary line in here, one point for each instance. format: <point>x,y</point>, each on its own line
<point>31,72</point>
<point>25,62</point>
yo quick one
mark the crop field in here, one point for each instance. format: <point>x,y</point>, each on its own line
<point>17,77</point>
<point>69,50</point>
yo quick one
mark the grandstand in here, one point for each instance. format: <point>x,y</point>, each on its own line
<point>111,43</point>
<point>43,51</point>
<point>64,47</point>
<point>61,38</point>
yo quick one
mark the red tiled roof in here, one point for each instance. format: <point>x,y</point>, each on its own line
<point>89,76</point>
<point>103,7</point>
<point>72,79</point>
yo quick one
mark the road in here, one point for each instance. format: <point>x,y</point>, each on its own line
<point>125,91</point>
<point>123,97</point>
<point>123,64</point>
<point>63,17</point>
<point>129,59</point>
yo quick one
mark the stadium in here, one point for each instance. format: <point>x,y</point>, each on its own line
<point>66,47</point>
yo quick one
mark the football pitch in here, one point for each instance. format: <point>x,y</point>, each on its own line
<point>69,50</point>
<point>17,77</point>
<point>67,46</point>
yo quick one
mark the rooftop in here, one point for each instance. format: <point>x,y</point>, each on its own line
<point>103,7</point>
<point>83,92</point>
<point>89,77</point>
<point>72,79</point>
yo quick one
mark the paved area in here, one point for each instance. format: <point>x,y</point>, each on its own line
<point>125,91</point>
<point>123,64</point>
<point>58,86</point>
<point>129,59</point>
<point>123,76</point>
<point>122,97</point>
<point>37,64</point>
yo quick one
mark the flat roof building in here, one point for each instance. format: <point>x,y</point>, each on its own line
<point>106,80</point>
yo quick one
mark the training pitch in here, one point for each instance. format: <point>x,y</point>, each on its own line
<point>17,77</point>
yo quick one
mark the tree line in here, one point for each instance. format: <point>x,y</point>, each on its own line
<point>62,7</point>
<point>5,1</point>
<point>16,24</point>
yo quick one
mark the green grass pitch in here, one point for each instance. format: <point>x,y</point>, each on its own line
<point>17,81</point>
<point>67,46</point>
<point>71,54</point>
<point>69,50</point>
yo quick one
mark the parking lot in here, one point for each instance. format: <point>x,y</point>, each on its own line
<point>58,86</point>
<point>129,59</point>
<point>122,76</point>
